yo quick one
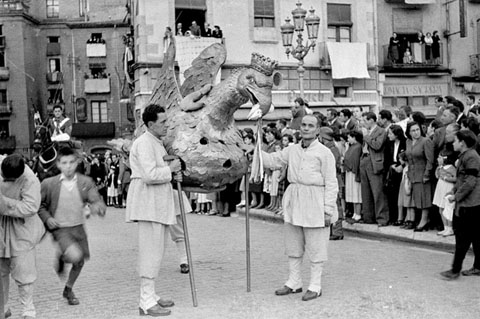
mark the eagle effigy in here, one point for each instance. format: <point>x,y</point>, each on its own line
<point>206,139</point>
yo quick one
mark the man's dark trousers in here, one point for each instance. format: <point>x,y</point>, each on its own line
<point>374,200</point>
<point>467,232</point>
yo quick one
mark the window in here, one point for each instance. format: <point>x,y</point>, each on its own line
<point>97,70</point>
<point>96,38</point>
<point>52,9</point>
<point>339,22</point>
<point>99,111</point>
<point>53,39</point>
<point>264,13</point>
<point>82,6</point>
<point>54,65</point>
<point>55,96</point>
<point>340,91</point>
<point>2,47</point>
<point>2,58</point>
<point>3,97</point>
<point>4,128</point>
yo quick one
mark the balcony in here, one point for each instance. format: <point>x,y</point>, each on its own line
<point>96,50</point>
<point>418,59</point>
<point>97,86</point>
<point>54,77</point>
<point>7,143</point>
<point>53,49</point>
<point>6,108</point>
<point>13,6</point>
<point>325,58</point>
<point>4,74</point>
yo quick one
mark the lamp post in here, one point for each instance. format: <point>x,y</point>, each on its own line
<point>300,50</point>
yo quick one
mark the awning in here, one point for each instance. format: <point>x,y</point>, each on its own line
<point>349,60</point>
<point>420,1</point>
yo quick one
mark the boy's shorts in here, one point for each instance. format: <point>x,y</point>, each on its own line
<point>67,236</point>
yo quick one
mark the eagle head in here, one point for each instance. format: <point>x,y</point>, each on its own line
<point>257,87</point>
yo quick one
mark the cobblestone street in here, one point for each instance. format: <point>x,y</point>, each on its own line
<point>363,279</point>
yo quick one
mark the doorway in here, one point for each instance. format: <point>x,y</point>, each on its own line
<point>186,16</point>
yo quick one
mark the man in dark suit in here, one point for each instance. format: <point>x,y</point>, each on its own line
<point>349,122</point>
<point>333,120</point>
<point>374,200</point>
<point>449,115</point>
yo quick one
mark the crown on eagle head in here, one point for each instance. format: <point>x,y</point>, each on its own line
<point>263,64</point>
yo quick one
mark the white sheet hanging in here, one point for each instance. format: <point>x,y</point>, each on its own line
<point>349,60</point>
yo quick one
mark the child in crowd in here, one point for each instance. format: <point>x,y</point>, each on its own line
<point>204,204</point>
<point>446,174</point>
<point>274,204</point>
<point>64,200</point>
<point>405,199</point>
<point>112,187</point>
<point>351,164</point>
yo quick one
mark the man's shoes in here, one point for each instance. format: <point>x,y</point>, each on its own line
<point>70,296</point>
<point>310,295</point>
<point>155,311</point>
<point>165,303</point>
<point>450,275</point>
<point>471,272</point>
<point>285,290</point>
<point>184,268</point>
<point>8,313</point>
<point>336,237</point>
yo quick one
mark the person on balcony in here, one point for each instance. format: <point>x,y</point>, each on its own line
<point>195,29</point>
<point>60,126</point>
<point>417,45</point>
<point>436,47</point>
<point>393,49</point>
<point>428,47</point>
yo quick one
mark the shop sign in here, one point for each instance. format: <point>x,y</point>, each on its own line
<point>414,89</point>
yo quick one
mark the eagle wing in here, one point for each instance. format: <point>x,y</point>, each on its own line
<point>204,68</point>
<point>166,91</point>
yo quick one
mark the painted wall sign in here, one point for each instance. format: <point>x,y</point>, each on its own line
<point>414,89</point>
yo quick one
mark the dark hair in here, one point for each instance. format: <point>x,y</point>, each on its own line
<point>436,124</point>
<point>459,105</point>
<point>346,113</point>
<point>289,137</point>
<point>57,106</point>
<point>333,112</point>
<point>386,115</point>
<point>250,136</point>
<point>466,136</point>
<point>449,99</point>
<point>454,110</point>
<point>272,125</point>
<point>248,130</point>
<point>13,166</point>
<point>398,132</point>
<point>275,132</point>
<point>419,117</point>
<point>65,151</point>
<point>300,101</point>
<point>150,114</point>
<point>410,125</point>
<point>471,97</point>
<point>298,136</point>
<point>358,136</point>
<point>475,109</point>
<point>283,122</point>
<point>471,124</point>
<point>370,116</point>
<point>439,99</point>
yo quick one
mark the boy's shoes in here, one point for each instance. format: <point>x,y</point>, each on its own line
<point>310,295</point>
<point>155,311</point>
<point>471,272</point>
<point>70,296</point>
<point>449,275</point>
<point>184,268</point>
<point>165,303</point>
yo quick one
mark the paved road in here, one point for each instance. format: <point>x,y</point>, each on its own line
<point>363,278</point>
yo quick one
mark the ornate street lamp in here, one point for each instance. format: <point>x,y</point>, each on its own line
<point>300,51</point>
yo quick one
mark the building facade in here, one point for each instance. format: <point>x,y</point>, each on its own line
<point>254,26</point>
<point>69,53</point>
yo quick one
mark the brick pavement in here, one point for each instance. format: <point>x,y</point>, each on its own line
<point>364,278</point>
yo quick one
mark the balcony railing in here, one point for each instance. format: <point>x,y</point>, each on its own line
<point>325,58</point>
<point>7,143</point>
<point>96,50</point>
<point>97,85</point>
<point>6,108</point>
<point>421,56</point>
<point>55,77</point>
<point>4,74</point>
<point>16,6</point>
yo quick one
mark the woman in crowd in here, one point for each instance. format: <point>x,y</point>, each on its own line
<point>272,137</point>
<point>394,176</point>
<point>405,195</point>
<point>353,188</point>
<point>419,153</point>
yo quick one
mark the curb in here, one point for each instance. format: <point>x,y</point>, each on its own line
<point>427,239</point>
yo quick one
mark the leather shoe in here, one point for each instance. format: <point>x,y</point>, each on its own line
<point>70,296</point>
<point>310,295</point>
<point>450,275</point>
<point>155,311</point>
<point>471,272</point>
<point>285,290</point>
<point>184,268</point>
<point>165,303</point>
<point>336,237</point>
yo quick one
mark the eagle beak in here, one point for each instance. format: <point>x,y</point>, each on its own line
<point>256,112</point>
